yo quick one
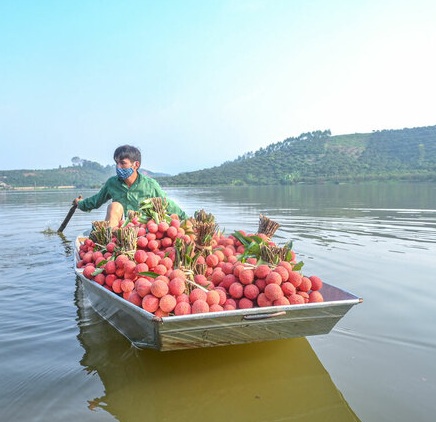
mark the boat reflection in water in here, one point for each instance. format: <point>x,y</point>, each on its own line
<point>277,380</point>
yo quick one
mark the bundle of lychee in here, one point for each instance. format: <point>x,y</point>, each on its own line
<point>173,267</point>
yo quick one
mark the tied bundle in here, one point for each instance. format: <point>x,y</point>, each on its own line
<point>275,254</point>
<point>101,232</point>
<point>154,208</point>
<point>126,239</point>
<point>267,226</point>
<point>205,228</point>
<point>186,260</point>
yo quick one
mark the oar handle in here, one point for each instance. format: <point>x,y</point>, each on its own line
<point>68,217</point>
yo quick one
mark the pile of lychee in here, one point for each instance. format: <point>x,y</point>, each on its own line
<point>149,277</point>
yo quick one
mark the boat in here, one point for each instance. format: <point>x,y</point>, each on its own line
<point>148,331</point>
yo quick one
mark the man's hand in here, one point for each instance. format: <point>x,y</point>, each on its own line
<point>77,200</point>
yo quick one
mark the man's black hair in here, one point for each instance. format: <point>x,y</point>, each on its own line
<point>129,152</point>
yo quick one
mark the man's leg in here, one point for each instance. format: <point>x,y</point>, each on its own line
<point>114,214</point>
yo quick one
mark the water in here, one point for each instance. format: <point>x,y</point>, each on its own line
<point>61,362</point>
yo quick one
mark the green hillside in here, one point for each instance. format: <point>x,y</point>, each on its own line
<point>406,154</point>
<point>88,174</point>
<point>315,157</point>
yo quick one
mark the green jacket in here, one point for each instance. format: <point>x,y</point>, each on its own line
<point>143,188</point>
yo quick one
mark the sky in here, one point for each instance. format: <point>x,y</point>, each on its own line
<point>195,83</point>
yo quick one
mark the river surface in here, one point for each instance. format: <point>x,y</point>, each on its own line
<point>59,361</point>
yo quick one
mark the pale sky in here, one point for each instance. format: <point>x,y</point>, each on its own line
<point>195,83</point>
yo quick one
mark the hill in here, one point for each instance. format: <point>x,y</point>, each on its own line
<point>314,157</point>
<point>87,174</point>
<point>406,154</point>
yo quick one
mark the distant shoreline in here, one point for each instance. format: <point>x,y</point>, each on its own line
<point>28,188</point>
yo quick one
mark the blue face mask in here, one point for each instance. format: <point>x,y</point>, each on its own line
<point>124,173</point>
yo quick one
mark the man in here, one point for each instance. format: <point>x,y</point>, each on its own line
<point>127,189</point>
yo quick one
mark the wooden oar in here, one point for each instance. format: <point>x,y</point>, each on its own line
<point>68,217</point>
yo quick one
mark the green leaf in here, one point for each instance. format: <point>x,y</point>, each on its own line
<point>298,266</point>
<point>253,248</point>
<point>245,240</point>
<point>101,263</point>
<point>149,274</point>
<point>97,271</point>
<point>143,219</point>
<point>257,239</point>
<point>288,256</point>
